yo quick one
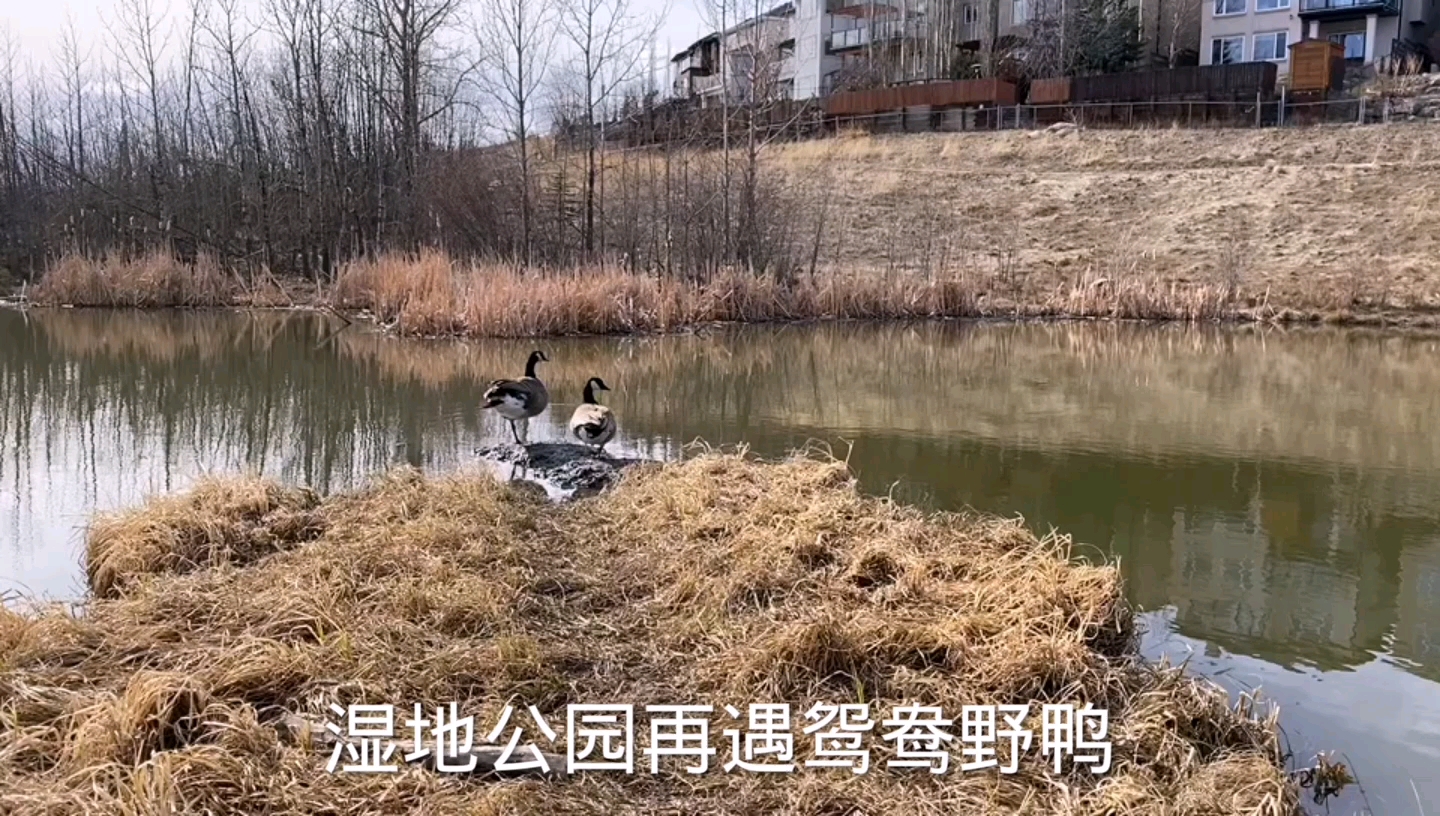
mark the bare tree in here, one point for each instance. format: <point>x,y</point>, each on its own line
<point>73,57</point>
<point>1177,30</point>
<point>294,141</point>
<point>516,37</point>
<point>140,46</point>
<point>407,37</point>
<point>608,39</point>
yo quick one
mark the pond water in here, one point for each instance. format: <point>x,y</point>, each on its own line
<point>1274,497</point>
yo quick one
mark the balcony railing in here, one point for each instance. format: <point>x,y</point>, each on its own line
<point>861,8</point>
<point>1344,7</point>
<point>879,32</point>
<point>696,65</point>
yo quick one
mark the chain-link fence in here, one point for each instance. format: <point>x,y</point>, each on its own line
<point>798,121</point>
<point>1193,114</point>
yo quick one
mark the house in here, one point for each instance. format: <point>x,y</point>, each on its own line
<point>1370,30</point>
<point>695,72</point>
<point>806,48</point>
<point>759,61</point>
<point>814,44</point>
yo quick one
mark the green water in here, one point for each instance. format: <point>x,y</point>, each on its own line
<point>1274,497</point>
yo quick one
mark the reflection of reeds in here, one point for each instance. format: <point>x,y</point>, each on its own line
<point>158,338</point>
<point>648,361</point>
<point>1312,394</point>
<point>194,391</point>
<point>1317,395</point>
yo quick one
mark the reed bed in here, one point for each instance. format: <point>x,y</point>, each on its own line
<point>155,279</point>
<point>716,580</point>
<point>433,295</point>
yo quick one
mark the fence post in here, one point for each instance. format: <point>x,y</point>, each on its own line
<point>1258,108</point>
<point>1360,118</point>
<point>1280,122</point>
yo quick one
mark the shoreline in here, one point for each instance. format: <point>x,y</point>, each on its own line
<point>1418,321</point>
<point>715,579</point>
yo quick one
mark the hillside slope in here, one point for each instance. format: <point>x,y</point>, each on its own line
<point>1325,219</point>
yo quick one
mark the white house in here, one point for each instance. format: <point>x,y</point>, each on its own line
<point>760,49</point>
<point>1257,30</point>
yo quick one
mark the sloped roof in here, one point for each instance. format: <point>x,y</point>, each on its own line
<point>785,9</point>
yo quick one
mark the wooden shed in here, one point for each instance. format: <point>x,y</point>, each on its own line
<point>1316,66</point>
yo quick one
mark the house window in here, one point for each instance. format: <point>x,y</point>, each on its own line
<point>1270,46</point>
<point>1018,12</point>
<point>1225,50</point>
<point>1225,8</point>
<point>1354,42</point>
<point>1271,5</point>
<point>969,14</point>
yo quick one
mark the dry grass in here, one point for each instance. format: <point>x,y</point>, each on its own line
<point>218,522</point>
<point>717,580</point>
<point>153,280</point>
<point>432,295</point>
<point>1327,223</point>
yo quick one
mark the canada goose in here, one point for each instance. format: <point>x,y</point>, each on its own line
<point>520,399</point>
<point>593,423</point>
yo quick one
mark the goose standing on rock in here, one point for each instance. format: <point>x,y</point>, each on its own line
<point>518,400</point>
<point>593,423</point>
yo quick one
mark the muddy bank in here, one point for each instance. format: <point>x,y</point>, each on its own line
<point>221,617</point>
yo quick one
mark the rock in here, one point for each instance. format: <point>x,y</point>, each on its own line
<point>573,470</point>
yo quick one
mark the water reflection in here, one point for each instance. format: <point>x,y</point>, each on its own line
<point>1277,494</point>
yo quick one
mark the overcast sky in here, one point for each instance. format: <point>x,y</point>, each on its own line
<point>37,25</point>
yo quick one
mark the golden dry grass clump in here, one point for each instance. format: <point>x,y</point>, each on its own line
<point>432,294</point>
<point>218,522</point>
<point>155,279</point>
<point>717,580</point>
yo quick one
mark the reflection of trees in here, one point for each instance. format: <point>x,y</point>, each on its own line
<point>1182,528</point>
<point>1279,490</point>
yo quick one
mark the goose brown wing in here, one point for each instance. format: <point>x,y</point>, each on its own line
<point>500,390</point>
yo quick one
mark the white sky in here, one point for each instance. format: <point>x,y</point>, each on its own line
<point>36,24</point>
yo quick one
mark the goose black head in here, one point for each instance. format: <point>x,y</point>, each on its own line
<point>536,356</point>
<point>591,386</point>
